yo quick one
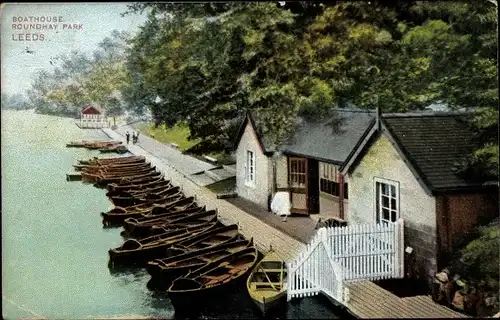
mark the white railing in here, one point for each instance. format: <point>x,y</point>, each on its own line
<point>354,252</point>
<point>314,270</point>
<point>368,252</point>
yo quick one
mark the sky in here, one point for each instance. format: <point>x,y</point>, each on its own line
<point>78,26</point>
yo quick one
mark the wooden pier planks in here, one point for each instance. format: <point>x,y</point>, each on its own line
<point>367,300</point>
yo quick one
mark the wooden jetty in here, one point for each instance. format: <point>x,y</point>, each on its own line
<point>73,177</point>
<point>364,299</point>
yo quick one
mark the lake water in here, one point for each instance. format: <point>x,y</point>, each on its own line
<point>54,249</point>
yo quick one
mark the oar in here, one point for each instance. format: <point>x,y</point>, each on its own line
<point>267,277</point>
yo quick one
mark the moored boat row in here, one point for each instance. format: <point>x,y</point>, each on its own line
<point>188,252</point>
<point>103,146</point>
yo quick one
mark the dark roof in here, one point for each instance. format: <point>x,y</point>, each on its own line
<point>331,139</point>
<point>91,110</point>
<point>434,143</point>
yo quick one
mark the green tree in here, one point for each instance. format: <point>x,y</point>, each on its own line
<point>209,63</point>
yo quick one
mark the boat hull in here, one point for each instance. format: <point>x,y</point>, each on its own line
<point>192,302</point>
<point>109,219</point>
<point>119,256</point>
<point>139,256</point>
<point>274,305</point>
<point>161,279</point>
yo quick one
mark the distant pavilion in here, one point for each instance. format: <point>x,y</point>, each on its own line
<point>92,117</point>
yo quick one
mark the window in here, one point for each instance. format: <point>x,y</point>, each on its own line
<point>250,168</point>
<point>387,200</point>
<point>328,180</point>
<point>297,172</point>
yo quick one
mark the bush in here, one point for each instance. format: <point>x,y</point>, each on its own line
<point>479,261</point>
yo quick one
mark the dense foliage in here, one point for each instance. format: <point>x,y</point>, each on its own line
<point>471,260</point>
<point>78,80</point>
<point>478,265</point>
<point>205,64</point>
<point>15,101</point>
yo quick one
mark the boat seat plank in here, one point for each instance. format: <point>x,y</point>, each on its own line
<point>269,271</point>
<point>222,276</point>
<point>266,283</point>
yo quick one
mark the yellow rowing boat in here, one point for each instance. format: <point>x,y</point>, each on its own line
<point>266,284</point>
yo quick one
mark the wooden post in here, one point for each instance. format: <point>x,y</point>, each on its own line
<point>275,179</point>
<point>401,246</point>
<point>341,195</point>
<point>289,182</point>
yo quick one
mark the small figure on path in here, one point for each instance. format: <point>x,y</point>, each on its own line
<point>133,137</point>
<point>128,136</point>
<point>137,136</point>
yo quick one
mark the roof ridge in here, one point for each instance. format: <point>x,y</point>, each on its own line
<point>354,110</point>
<point>425,114</point>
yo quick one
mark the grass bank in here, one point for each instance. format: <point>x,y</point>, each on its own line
<point>178,134</point>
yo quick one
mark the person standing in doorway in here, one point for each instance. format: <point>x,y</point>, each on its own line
<point>128,137</point>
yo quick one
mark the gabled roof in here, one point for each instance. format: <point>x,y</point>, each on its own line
<point>329,140</point>
<point>91,110</point>
<point>431,144</point>
<point>265,143</point>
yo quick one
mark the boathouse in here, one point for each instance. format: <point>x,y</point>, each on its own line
<point>92,117</point>
<point>306,165</point>
<point>404,168</point>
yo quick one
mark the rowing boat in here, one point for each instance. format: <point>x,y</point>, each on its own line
<point>144,224</point>
<point>167,200</point>
<point>115,148</point>
<point>137,251</point>
<point>85,143</point>
<point>139,179</point>
<point>164,271</point>
<point>118,218</point>
<point>104,180</point>
<point>136,184</point>
<point>114,160</point>
<point>168,222</point>
<point>159,210</point>
<point>139,189</point>
<point>204,285</point>
<point>103,177</point>
<point>110,167</point>
<point>120,172</point>
<point>143,196</point>
<point>266,284</point>
<point>220,235</point>
<point>98,145</point>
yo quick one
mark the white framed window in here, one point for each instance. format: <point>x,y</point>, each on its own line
<point>250,169</point>
<point>386,200</point>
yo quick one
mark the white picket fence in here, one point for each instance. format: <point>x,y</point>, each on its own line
<point>350,253</point>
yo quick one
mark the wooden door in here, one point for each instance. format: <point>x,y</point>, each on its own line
<point>313,186</point>
<point>297,182</point>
